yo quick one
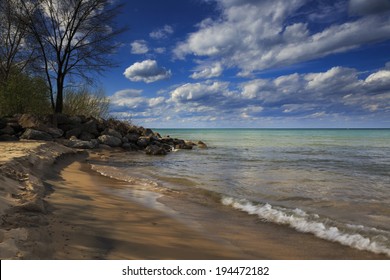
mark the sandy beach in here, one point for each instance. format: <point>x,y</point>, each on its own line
<point>53,206</point>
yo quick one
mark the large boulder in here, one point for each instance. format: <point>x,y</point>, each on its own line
<point>73,132</point>
<point>130,147</point>
<point>148,132</point>
<point>30,121</point>
<point>16,126</point>
<point>143,142</point>
<point>55,132</point>
<point>155,150</point>
<point>7,130</point>
<point>32,134</point>
<point>167,140</point>
<point>86,136</point>
<point>109,140</point>
<point>132,137</point>
<point>112,132</point>
<point>91,126</point>
<point>61,119</point>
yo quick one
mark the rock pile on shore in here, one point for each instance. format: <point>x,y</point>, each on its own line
<point>89,133</point>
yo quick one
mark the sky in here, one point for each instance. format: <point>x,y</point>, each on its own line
<point>252,64</point>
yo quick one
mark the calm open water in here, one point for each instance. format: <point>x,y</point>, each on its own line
<point>334,184</point>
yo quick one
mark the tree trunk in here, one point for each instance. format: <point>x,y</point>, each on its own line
<point>60,95</point>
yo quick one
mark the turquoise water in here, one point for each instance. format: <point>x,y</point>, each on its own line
<point>334,184</point>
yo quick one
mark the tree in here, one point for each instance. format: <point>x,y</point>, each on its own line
<point>15,55</point>
<point>75,39</point>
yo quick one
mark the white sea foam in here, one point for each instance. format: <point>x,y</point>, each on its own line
<point>304,222</point>
<point>115,173</point>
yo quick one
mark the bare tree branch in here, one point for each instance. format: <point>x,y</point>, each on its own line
<point>75,37</point>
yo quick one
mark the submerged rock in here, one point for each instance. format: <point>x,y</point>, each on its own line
<point>202,145</point>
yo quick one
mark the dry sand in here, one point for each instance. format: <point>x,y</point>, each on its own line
<point>75,213</point>
<point>22,192</point>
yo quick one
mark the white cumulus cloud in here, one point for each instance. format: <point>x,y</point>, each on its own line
<point>207,72</point>
<point>256,35</point>
<point>162,33</point>
<point>146,71</point>
<point>139,47</point>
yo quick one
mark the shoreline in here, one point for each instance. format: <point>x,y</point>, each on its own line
<point>84,218</point>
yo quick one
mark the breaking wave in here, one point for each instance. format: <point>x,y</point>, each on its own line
<point>355,236</point>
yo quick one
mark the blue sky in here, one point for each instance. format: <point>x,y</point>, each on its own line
<point>253,63</point>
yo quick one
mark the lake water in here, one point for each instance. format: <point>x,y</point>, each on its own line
<point>334,184</point>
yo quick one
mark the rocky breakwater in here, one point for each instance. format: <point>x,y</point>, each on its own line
<point>90,133</point>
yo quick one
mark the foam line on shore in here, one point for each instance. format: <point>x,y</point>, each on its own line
<point>114,173</point>
<point>307,223</point>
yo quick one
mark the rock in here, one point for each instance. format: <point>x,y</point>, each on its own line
<point>148,132</point>
<point>101,124</point>
<point>202,145</point>
<point>86,136</point>
<point>80,144</point>
<point>7,130</point>
<point>132,137</point>
<point>112,132</point>
<point>91,126</point>
<point>109,140</point>
<point>15,125</point>
<point>30,121</point>
<point>189,143</point>
<point>183,146</point>
<point>7,137</point>
<point>32,134</point>
<point>55,132</point>
<point>61,119</point>
<point>130,147</point>
<point>3,123</point>
<point>105,147</point>
<point>167,147</point>
<point>167,140</point>
<point>155,150</point>
<point>143,142</point>
<point>67,127</point>
<point>95,142</point>
<point>73,132</point>
<point>35,205</point>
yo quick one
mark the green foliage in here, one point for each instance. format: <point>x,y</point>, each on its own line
<point>86,102</point>
<point>24,94</point>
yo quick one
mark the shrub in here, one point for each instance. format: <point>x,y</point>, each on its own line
<point>86,102</point>
<point>24,94</point>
